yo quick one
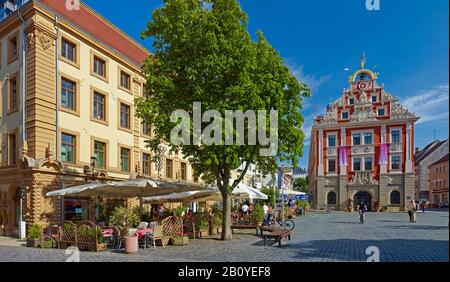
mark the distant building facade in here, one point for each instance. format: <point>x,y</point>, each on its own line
<point>362,149</point>
<point>438,182</point>
<point>430,154</point>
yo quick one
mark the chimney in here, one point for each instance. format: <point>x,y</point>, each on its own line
<point>417,150</point>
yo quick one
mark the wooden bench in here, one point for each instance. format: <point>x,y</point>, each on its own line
<point>245,225</point>
<point>277,236</point>
<point>269,229</point>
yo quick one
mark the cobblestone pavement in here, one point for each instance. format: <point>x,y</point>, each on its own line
<point>318,237</point>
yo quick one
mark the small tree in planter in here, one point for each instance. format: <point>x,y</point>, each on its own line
<point>216,223</point>
<point>257,215</point>
<point>34,236</point>
<point>201,225</point>
<point>123,217</point>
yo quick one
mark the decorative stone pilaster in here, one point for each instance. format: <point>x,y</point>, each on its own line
<point>408,161</point>
<point>320,161</point>
<point>408,188</point>
<point>383,190</point>
<point>321,193</point>
<point>343,191</point>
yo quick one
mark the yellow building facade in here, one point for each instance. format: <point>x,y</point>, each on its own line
<point>69,78</point>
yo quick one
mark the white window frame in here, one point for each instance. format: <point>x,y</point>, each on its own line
<point>390,162</point>
<point>335,165</point>
<point>361,133</point>
<point>385,112</point>
<point>335,134</point>
<point>374,95</point>
<point>348,113</point>
<point>348,100</point>
<point>390,134</point>
<point>362,163</point>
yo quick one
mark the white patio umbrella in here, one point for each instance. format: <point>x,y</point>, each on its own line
<point>210,194</point>
<point>190,196</point>
<point>128,189</point>
<point>293,193</point>
<point>245,191</point>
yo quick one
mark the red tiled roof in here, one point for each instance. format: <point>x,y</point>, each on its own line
<point>100,29</point>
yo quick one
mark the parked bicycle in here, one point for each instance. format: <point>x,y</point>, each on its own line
<point>287,224</point>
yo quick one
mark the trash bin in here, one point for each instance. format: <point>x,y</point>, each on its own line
<point>131,244</point>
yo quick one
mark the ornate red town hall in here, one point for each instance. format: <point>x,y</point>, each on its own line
<point>362,149</point>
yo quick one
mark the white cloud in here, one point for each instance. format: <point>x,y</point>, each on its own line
<point>311,80</point>
<point>431,105</point>
<point>306,128</point>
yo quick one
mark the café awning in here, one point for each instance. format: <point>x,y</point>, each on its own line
<point>143,187</point>
<point>210,194</point>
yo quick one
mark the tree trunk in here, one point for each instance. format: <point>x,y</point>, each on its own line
<point>226,213</point>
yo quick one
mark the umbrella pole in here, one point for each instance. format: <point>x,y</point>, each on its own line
<point>141,206</point>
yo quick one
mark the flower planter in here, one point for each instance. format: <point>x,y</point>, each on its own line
<point>180,241</point>
<point>191,235</point>
<point>201,233</point>
<point>97,247</point>
<point>131,244</point>
<point>33,242</point>
<point>46,244</point>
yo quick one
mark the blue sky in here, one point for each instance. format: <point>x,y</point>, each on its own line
<point>406,41</point>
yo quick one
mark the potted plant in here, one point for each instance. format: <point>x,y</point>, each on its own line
<point>201,225</point>
<point>216,223</point>
<point>122,216</point>
<point>180,240</point>
<point>34,236</point>
<point>257,215</point>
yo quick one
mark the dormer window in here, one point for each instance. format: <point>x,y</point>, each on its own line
<point>351,101</point>
<point>344,115</point>
<point>374,98</point>
<point>381,112</point>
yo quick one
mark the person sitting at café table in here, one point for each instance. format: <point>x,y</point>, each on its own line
<point>244,208</point>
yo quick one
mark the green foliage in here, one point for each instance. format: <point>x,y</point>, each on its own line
<point>303,204</point>
<point>217,219</point>
<point>201,221</point>
<point>179,211</point>
<point>142,213</point>
<point>258,213</point>
<point>272,194</point>
<point>123,217</point>
<point>34,232</point>
<point>207,55</point>
<point>301,183</point>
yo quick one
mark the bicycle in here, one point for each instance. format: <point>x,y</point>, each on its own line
<point>287,224</point>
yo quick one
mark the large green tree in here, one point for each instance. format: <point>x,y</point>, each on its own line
<point>301,184</point>
<point>204,53</point>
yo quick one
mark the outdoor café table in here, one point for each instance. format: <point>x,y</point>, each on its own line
<point>142,232</point>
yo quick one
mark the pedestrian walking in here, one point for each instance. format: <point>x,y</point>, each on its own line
<point>423,206</point>
<point>414,212</point>
<point>362,208</point>
<point>410,206</point>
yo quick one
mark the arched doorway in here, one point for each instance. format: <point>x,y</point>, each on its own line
<point>331,198</point>
<point>363,196</point>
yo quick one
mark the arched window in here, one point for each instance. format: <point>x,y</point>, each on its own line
<point>395,198</point>
<point>331,198</point>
